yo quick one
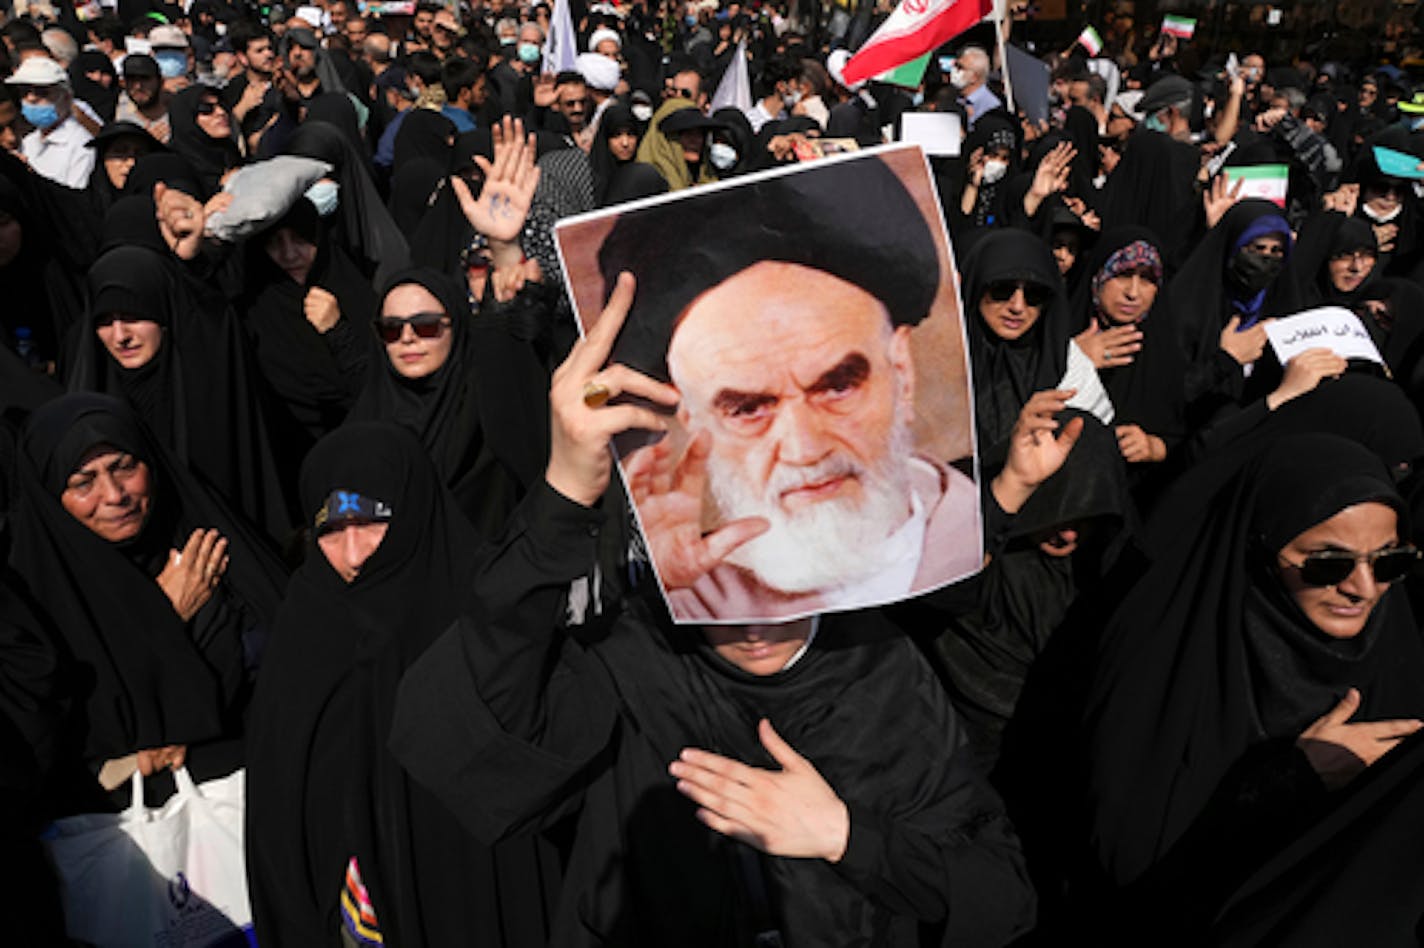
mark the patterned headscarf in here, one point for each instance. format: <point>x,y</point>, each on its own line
<point>1138,256</point>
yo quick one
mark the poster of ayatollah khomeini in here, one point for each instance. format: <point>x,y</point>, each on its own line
<point>822,453</point>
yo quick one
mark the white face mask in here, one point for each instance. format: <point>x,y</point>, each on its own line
<point>642,112</point>
<point>722,156</point>
<point>994,171</point>
<point>958,78</point>
<point>1381,217</point>
<point>791,98</point>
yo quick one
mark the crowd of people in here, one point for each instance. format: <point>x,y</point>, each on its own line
<point>306,471</point>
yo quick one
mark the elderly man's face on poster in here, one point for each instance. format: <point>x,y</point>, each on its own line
<point>806,469</point>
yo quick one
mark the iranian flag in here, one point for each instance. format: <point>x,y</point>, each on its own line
<point>914,29</point>
<point>1260,181</point>
<point>908,75</point>
<point>1090,40</point>
<point>1181,27</point>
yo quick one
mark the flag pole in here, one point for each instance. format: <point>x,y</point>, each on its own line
<point>1000,22</point>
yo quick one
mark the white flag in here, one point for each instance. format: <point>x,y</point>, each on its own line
<point>561,47</point>
<point>735,89</point>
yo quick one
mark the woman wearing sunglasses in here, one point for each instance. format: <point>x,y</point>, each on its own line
<point>451,379</point>
<point>1252,678</point>
<point>202,133</point>
<point>1018,337</point>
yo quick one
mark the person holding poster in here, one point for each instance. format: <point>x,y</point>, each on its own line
<point>733,784</point>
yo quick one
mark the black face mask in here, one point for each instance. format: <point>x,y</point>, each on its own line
<point>1253,272</point>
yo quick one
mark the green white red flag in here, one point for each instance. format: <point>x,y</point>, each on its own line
<point>1181,27</point>
<point>914,29</point>
<point>1090,41</point>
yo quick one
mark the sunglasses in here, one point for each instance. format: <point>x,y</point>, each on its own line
<point>1333,567</point>
<point>424,325</point>
<point>208,106</point>
<point>1035,294</point>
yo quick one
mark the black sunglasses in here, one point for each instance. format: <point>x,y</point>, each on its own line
<point>424,325</point>
<point>1333,567</point>
<point>208,106</point>
<point>1035,294</point>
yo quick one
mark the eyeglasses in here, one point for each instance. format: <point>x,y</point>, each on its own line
<point>1035,294</point>
<point>208,106</point>
<point>1358,256</point>
<point>424,325</point>
<point>1333,567</point>
<point>674,92</point>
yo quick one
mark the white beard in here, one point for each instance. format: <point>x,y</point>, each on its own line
<point>827,544</point>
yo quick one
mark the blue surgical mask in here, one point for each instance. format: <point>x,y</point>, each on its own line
<point>508,40</point>
<point>1155,123</point>
<point>918,99</point>
<point>1416,122</point>
<point>41,116</point>
<point>722,156</point>
<point>172,63</point>
<point>325,195</point>
<point>529,53</point>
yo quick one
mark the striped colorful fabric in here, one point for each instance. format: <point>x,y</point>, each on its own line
<point>357,912</point>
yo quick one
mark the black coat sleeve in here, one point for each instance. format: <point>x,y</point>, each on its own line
<point>504,718</point>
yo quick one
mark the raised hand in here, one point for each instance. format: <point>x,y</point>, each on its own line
<point>181,218</point>
<point>668,492</point>
<point>1035,453</point>
<point>510,182</point>
<point>189,578</point>
<point>1218,198</point>
<point>580,463</point>
<point>789,812</point>
<point>1339,751</point>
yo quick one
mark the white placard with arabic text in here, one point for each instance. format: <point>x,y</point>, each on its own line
<point>1329,327</point>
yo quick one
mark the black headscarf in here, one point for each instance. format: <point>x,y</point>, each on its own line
<point>364,226</point>
<point>104,99</point>
<point>424,133</point>
<point>322,787</point>
<point>210,157</point>
<point>606,168</point>
<point>1231,663</point>
<point>1323,236</point>
<point>1154,186</point>
<point>1007,373</point>
<point>460,412</point>
<point>336,109</point>
<point>197,393</point>
<point>314,377</point>
<point>102,192</point>
<point>142,677</point>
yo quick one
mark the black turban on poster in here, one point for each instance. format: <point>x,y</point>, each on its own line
<point>854,220</point>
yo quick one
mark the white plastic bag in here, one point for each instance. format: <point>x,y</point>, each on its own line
<point>169,877</point>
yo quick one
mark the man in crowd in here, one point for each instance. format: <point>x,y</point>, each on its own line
<point>56,148</point>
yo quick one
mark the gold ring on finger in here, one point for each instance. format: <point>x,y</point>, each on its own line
<point>596,394</point>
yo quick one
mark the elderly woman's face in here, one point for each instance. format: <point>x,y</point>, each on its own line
<point>131,340</point>
<point>1341,610</point>
<point>292,253</point>
<point>109,493</point>
<point>413,355</point>
<point>348,546</point>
